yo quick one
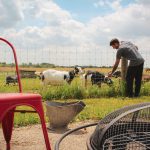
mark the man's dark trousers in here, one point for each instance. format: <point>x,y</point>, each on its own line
<point>134,72</point>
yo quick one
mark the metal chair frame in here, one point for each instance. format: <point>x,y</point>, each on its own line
<point>9,102</point>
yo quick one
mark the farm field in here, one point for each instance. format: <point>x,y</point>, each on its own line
<point>103,70</point>
<point>74,91</point>
<point>99,101</point>
<point>11,69</point>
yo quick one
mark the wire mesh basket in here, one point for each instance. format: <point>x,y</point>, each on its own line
<point>125,129</point>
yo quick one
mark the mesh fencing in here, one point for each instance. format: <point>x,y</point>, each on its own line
<point>94,63</point>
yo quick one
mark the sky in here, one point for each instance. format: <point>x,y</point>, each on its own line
<point>73,32</point>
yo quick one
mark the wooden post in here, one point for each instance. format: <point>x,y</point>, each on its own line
<point>124,65</point>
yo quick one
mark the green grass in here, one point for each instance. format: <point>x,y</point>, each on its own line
<point>78,91</point>
<point>99,108</point>
<point>95,109</point>
<point>74,91</point>
<point>99,101</point>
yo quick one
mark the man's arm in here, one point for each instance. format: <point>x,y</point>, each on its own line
<point>114,67</point>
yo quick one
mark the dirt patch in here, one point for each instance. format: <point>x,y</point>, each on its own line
<point>31,138</point>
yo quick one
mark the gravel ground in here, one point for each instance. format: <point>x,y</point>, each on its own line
<point>31,138</point>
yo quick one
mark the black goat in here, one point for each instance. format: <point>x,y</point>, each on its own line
<point>11,79</point>
<point>97,78</point>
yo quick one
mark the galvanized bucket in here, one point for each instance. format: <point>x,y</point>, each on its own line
<point>60,114</point>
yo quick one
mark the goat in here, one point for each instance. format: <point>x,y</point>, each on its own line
<point>96,78</point>
<point>11,79</point>
<point>55,77</point>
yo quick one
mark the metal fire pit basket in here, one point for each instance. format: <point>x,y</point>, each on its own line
<point>125,129</point>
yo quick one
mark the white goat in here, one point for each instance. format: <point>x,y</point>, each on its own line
<point>55,77</point>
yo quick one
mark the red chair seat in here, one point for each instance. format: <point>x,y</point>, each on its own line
<point>9,97</point>
<point>9,101</point>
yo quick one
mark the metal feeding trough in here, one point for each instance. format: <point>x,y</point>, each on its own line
<point>60,114</point>
<point>125,129</point>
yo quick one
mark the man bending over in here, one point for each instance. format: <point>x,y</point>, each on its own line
<point>135,69</point>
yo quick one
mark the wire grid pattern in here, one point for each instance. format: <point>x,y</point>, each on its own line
<point>128,131</point>
<point>129,141</point>
<point>8,76</point>
<point>64,56</point>
<point>28,59</point>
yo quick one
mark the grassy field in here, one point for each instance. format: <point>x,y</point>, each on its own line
<point>99,101</point>
<point>95,109</point>
<point>10,69</point>
<point>74,91</point>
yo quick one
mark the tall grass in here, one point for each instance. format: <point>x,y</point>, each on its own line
<point>76,91</point>
<point>63,92</point>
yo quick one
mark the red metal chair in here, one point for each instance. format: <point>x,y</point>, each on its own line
<point>9,102</point>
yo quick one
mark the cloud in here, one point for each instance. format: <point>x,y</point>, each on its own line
<point>129,23</point>
<point>42,24</point>
<point>115,4</point>
<point>143,2</point>
<point>10,13</point>
<point>99,4</point>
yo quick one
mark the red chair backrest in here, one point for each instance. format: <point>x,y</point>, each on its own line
<point>16,62</point>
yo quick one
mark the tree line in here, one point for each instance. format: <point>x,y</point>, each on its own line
<point>46,65</point>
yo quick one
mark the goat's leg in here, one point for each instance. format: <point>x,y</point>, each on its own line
<point>99,85</point>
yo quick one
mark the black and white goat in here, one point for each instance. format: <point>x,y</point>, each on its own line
<point>55,77</point>
<point>11,79</point>
<point>96,78</point>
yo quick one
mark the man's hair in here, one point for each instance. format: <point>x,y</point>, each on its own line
<point>113,41</point>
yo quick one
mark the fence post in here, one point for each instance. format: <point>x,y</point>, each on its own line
<point>124,65</point>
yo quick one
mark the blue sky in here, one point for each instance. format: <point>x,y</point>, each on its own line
<point>84,10</point>
<point>74,32</point>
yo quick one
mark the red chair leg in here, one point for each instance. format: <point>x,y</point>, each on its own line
<point>41,115</point>
<point>7,125</point>
<point>45,134</point>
